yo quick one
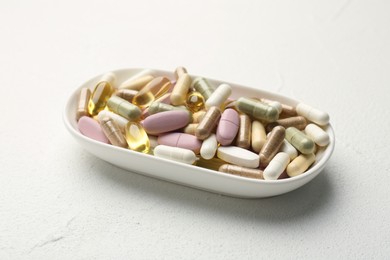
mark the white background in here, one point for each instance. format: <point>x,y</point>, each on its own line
<point>59,202</point>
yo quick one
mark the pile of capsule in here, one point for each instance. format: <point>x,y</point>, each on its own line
<point>193,122</point>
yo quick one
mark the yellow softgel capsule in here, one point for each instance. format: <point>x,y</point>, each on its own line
<point>194,101</point>
<point>101,94</point>
<point>136,137</point>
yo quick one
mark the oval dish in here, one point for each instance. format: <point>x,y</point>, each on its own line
<point>189,175</point>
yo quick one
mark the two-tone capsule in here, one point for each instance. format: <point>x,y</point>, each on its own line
<point>257,109</point>
<point>299,140</point>
<point>124,108</point>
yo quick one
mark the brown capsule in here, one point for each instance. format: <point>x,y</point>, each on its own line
<point>242,171</point>
<point>244,132</point>
<point>190,129</point>
<point>113,132</point>
<point>272,145</point>
<point>298,122</point>
<point>127,94</point>
<point>208,123</point>
<point>82,108</point>
<point>180,71</point>
<point>287,111</point>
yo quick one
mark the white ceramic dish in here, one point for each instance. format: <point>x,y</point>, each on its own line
<point>190,175</point>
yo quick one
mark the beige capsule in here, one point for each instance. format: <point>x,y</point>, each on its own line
<point>190,129</point>
<point>272,145</point>
<point>180,90</point>
<point>300,164</point>
<point>208,123</point>
<point>113,132</point>
<point>136,83</point>
<point>259,136</point>
<point>241,171</point>
<point>126,94</point>
<point>197,116</point>
<point>298,122</point>
<point>244,132</point>
<point>82,108</point>
<point>179,71</point>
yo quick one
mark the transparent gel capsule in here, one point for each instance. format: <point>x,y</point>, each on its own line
<point>153,90</point>
<point>101,94</point>
<point>194,101</point>
<point>136,138</point>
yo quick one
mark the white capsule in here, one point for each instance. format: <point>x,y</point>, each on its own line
<point>276,166</point>
<point>219,96</point>
<point>129,83</point>
<point>175,154</point>
<point>313,114</point>
<point>289,149</point>
<point>319,136</point>
<point>119,120</point>
<point>238,156</point>
<point>209,147</point>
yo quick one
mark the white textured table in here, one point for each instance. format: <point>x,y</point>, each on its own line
<point>59,202</point>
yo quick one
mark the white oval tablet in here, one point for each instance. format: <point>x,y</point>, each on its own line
<point>238,156</point>
<point>175,153</point>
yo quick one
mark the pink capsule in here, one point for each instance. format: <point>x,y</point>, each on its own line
<point>92,129</point>
<point>167,121</point>
<point>181,140</point>
<point>228,126</point>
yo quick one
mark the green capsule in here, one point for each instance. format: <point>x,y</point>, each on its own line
<point>299,140</point>
<point>157,107</point>
<point>257,109</point>
<point>124,108</point>
<point>203,87</point>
